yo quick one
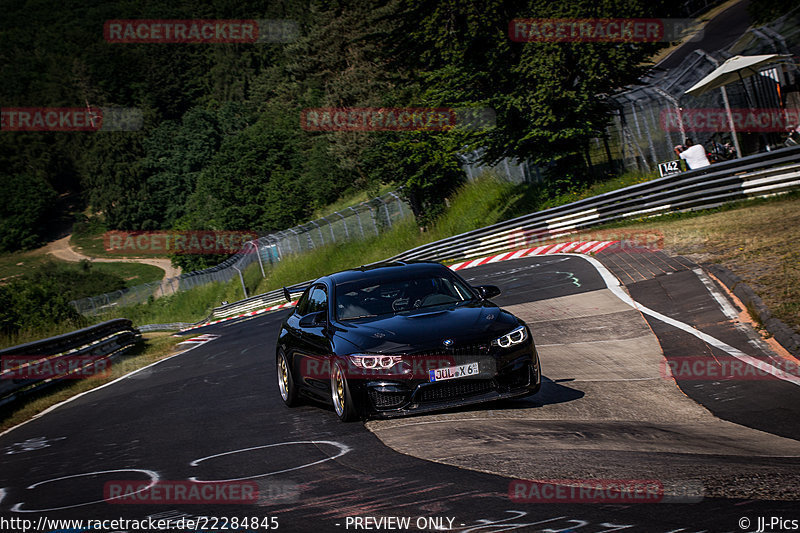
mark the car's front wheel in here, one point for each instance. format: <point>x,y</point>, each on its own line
<point>340,393</point>
<point>286,384</point>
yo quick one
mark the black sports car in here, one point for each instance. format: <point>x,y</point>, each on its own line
<point>400,338</point>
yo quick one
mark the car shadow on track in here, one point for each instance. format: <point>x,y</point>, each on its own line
<point>552,392</point>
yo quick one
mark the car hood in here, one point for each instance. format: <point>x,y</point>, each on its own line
<point>427,328</point>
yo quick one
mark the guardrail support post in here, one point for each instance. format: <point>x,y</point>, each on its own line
<point>399,204</point>
<point>344,222</point>
<point>372,216</point>
<point>330,227</point>
<point>241,278</point>
<point>358,217</point>
<point>258,254</point>
<point>388,216</point>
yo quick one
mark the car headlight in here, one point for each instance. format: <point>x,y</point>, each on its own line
<point>374,362</point>
<point>515,336</point>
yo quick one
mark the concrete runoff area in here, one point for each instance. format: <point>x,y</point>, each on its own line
<point>606,409</point>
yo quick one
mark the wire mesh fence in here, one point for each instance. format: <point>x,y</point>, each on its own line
<point>507,169</point>
<point>364,220</point>
<point>640,137</point>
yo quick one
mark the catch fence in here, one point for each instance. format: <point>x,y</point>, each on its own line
<point>364,220</point>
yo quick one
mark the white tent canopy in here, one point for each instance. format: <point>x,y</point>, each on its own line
<point>734,69</point>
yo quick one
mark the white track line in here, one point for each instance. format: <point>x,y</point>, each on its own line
<point>614,286</point>
<point>723,302</point>
<point>56,406</point>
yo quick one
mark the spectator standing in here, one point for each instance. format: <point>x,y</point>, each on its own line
<point>693,154</point>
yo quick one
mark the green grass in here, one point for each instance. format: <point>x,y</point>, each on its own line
<point>531,198</point>
<point>16,264</point>
<point>88,238</point>
<point>475,205</point>
<point>185,306</point>
<point>34,334</point>
<point>132,273</point>
<point>351,199</point>
<point>756,239</point>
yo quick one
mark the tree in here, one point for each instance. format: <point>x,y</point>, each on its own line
<point>24,210</point>
<point>545,95</point>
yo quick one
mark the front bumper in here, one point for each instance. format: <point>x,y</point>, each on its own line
<point>509,374</point>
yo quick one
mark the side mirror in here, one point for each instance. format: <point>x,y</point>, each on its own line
<point>312,320</point>
<point>287,294</point>
<point>488,291</point>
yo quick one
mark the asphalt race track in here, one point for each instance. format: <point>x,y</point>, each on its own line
<point>723,451</point>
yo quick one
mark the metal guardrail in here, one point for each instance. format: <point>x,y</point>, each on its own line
<point>753,176</point>
<point>91,347</point>
<point>757,175</point>
<point>172,326</point>
<point>253,303</point>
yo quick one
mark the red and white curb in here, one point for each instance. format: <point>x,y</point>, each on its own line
<point>577,247</point>
<point>202,339</point>
<point>234,317</point>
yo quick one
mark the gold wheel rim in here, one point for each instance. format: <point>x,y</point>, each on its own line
<point>284,379</point>
<point>338,391</point>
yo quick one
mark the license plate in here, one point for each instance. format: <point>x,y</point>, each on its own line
<point>454,372</point>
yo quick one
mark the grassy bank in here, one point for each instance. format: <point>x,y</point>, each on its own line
<point>185,306</point>
<point>131,273</point>
<point>759,240</point>
<point>477,204</point>
<point>766,259</point>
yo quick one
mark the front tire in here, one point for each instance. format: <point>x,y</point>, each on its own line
<point>286,384</point>
<point>340,393</point>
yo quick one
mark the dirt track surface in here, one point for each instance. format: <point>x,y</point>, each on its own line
<point>62,250</point>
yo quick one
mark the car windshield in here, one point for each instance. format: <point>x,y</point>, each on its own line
<point>370,298</point>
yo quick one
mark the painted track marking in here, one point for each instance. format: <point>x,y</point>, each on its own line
<point>152,475</point>
<point>613,284</point>
<point>343,449</point>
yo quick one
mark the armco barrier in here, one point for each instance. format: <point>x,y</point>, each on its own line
<point>100,342</point>
<point>172,326</point>
<point>254,303</point>
<point>758,175</point>
<point>754,176</point>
